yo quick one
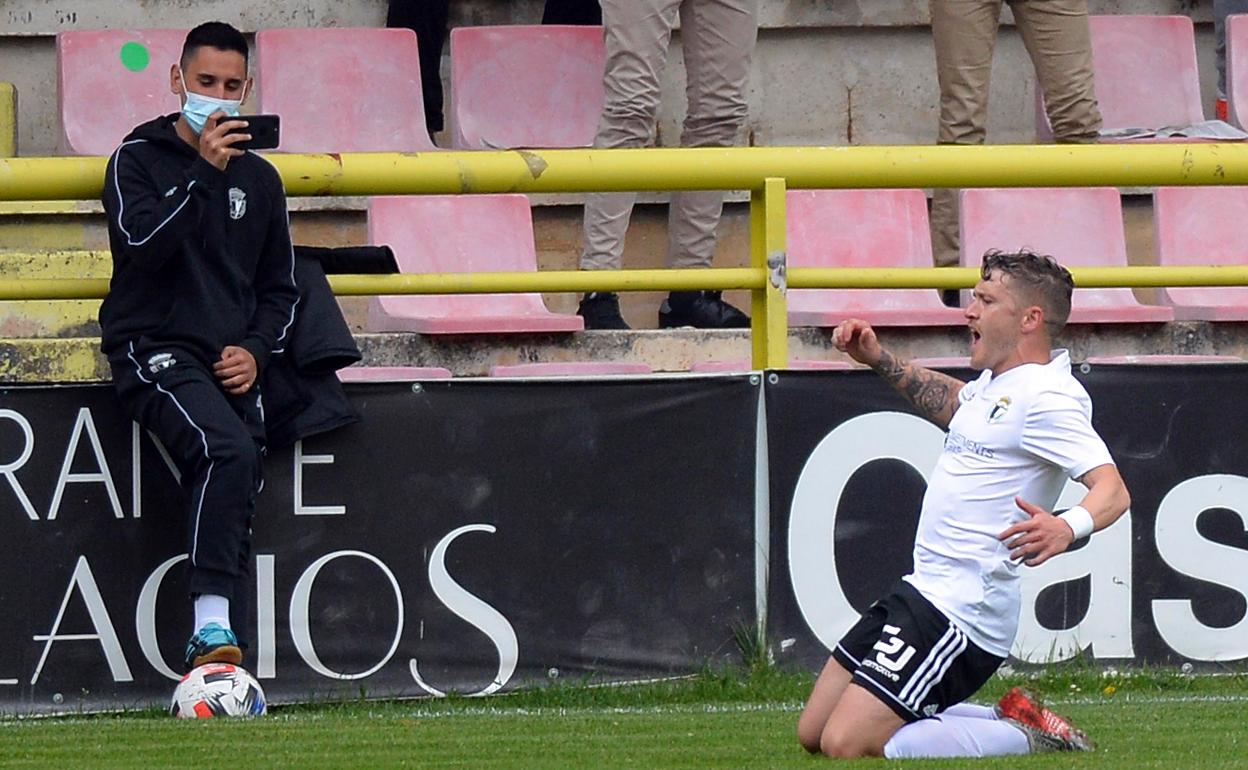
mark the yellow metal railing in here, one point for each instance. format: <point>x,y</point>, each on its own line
<point>766,172</point>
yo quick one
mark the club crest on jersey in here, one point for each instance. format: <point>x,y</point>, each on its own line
<point>238,203</point>
<point>999,409</point>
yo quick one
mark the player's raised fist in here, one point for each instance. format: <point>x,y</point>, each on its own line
<point>857,338</point>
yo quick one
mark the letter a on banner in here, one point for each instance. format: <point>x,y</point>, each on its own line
<point>1106,627</point>
<point>102,476</point>
<point>105,634</point>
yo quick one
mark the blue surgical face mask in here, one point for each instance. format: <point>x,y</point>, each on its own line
<point>198,108</point>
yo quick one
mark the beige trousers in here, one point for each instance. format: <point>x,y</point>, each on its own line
<point>1056,35</point>
<point>718,39</point>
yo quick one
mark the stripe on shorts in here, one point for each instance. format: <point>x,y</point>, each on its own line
<point>934,667</point>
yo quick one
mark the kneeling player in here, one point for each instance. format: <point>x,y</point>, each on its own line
<point>895,683</point>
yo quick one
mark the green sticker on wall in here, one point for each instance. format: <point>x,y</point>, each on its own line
<point>134,56</point>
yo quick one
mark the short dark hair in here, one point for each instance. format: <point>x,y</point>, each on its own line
<point>215,34</point>
<point>1039,278</point>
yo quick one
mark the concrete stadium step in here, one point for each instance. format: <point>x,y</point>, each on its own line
<point>51,318</point>
<point>78,359</point>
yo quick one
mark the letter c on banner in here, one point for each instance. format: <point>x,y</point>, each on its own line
<point>299,627</point>
<point>812,519</point>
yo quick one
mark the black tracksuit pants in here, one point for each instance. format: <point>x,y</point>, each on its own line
<point>217,442</point>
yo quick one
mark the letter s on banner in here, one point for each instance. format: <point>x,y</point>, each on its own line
<point>472,609</point>
<point>1180,545</point>
<point>812,519</point>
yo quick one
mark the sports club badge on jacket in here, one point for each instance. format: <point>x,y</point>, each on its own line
<point>999,409</point>
<point>238,203</point>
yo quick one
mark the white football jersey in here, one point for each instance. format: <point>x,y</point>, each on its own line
<point>1021,434</point>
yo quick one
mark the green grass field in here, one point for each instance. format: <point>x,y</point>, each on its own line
<point>717,720</point>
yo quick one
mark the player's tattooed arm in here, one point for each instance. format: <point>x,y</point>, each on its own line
<point>935,395</point>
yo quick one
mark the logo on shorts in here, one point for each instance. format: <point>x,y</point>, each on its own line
<point>238,203</point>
<point>999,409</point>
<point>160,361</point>
<point>893,653</point>
<point>930,710</point>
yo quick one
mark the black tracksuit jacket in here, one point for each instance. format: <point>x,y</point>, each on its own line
<point>201,257</point>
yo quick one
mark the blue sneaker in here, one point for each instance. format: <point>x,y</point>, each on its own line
<point>213,644</point>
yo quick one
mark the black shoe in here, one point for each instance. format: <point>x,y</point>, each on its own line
<point>601,310</point>
<point>701,310</point>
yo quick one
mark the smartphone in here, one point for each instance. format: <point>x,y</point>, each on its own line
<point>265,132</point>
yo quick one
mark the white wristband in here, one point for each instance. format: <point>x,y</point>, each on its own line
<point>1079,521</point>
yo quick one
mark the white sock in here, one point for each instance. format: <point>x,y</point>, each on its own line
<point>210,608</point>
<point>956,736</point>
<point>971,711</point>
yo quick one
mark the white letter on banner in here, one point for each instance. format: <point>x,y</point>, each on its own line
<point>104,475</point>
<point>1180,545</point>
<point>311,510</point>
<point>136,466</point>
<point>105,634</point>
<point>8,470</point>
<point>266,617</point>
<point>145,618</point>
<point>1107,625</point>
<point>812,520</point>
<point>299,626</point>
<point>485,618</point>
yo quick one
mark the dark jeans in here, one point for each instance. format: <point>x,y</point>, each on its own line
<point>427,18</point>
<point>587,12</point>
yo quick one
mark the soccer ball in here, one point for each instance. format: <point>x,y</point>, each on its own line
<point>217,690</point>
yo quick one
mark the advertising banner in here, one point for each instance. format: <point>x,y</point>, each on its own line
<point>465,536</point>
<point>1166,584</point>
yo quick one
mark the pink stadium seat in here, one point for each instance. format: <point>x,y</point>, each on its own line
<point>943,362</point>
<point>111,80</point>
<point>1203,226</point>
<point>1144,72</point>
<point>570,369</point>
<point>392,373</point>
<point>343,89</point>
<point>862,228</point>
<point>1165,360</point>
<point>1079,227</point>
<point>526,86</point>
<point>745,365</point>
<point>460,234</point>
<point>1237,69</point>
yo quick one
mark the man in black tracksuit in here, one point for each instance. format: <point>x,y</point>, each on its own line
<point>202,294</point>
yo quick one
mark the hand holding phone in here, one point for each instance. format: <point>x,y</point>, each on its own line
<point>265,132</point>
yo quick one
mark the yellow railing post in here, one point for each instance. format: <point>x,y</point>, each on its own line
<point>769,311</point>
<point>8,120</point>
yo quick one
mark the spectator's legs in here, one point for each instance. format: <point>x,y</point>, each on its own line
<point>1058,39</point>
<point>964,33</point>
<point>637,36</point>
<point>580,12</point>
<point>1222,9</point>
<point>718,39</point>
<point>428,19</point>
